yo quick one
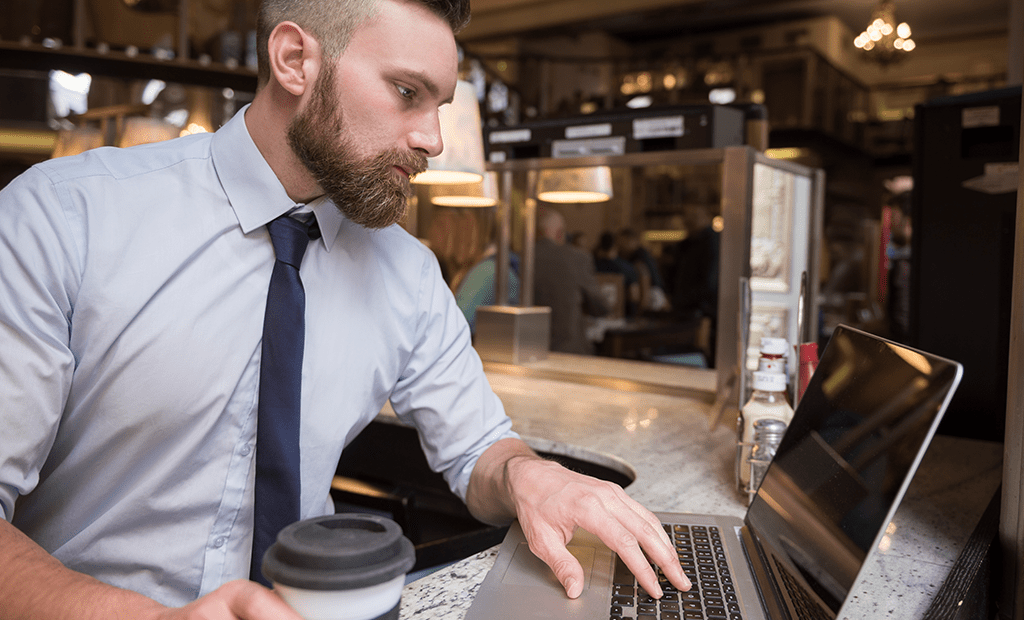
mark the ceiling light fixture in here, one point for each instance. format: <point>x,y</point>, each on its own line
<point>575,185</point>
<point>481,194</point>
<point>884,41</point>
<point>462,160</point>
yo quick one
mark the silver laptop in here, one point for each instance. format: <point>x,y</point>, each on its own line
<point>855,440</point>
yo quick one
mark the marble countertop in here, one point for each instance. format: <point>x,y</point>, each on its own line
<point>681,465</point>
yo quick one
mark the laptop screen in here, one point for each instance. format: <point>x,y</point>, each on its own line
<point>847,458</point>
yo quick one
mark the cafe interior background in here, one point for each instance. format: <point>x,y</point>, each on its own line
<point>828,140</point>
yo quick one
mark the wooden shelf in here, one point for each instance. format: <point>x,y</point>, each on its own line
<point>115,63</point>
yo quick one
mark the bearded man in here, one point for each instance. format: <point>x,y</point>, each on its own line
<point>133,304</point>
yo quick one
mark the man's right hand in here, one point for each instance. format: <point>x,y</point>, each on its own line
<point>35,586</point>
<point>241,600</point>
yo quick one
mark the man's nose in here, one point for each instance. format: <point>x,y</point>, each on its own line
<point>426,136</point>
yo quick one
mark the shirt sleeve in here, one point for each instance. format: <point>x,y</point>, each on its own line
<point>444,392</point>
<point>37,256</point>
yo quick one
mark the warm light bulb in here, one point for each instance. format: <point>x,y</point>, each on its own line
<point>463,201</point>
<point>903,30</point>
<point>644,82</point>
<point>446,177</point>
<point>909,45</point>
<point>628,85</point>
<point>573,197</point>
<point>193,128</point>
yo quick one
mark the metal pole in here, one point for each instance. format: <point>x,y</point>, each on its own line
<point>1015,61</point>
<point>530,238</point>
<point>183,20</point>
<point>1011,520</point>
<point>78,27</point>
<point>504,215</point>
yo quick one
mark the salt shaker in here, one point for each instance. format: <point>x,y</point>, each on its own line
<point>768,434</point>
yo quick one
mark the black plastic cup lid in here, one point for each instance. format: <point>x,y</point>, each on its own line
<point>339,552</point>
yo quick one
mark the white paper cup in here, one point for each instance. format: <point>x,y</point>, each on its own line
<point>341,567</point>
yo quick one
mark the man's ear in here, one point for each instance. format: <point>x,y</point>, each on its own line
<point>294,57</point>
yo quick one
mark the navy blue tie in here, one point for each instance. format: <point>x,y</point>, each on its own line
<point>277,428</point>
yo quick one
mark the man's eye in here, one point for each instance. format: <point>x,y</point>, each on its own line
<point>408,93</point>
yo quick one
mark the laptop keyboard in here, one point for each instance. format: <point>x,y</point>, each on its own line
<point>806,607</point>
<point>702,556</point>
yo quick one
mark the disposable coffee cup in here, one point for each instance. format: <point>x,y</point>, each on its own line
<point>348,566</point>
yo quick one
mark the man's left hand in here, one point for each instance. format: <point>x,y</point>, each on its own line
<point>551,501</point>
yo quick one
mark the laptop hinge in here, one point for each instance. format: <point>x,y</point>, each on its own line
<point>768,592</point>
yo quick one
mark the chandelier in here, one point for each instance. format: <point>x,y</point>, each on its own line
<point>884,41</point>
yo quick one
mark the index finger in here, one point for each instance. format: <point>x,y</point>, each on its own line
<point>628,529</point>
<point>667,560</point>
<point>659,548</point>
<point>647,549</point>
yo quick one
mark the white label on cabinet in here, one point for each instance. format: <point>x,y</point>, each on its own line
<point>987,116</point>
<point>507,137</point>
<point>589,131</point>
<point>662,127</point>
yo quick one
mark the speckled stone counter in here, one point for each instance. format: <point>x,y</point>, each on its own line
<point>681,465</point>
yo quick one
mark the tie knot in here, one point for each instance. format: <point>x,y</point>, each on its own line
<point>291,237</point>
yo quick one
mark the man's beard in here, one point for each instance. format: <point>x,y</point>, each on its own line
<point>367,191</point>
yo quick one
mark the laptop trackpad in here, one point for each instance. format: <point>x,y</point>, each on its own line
<point>527,569</point>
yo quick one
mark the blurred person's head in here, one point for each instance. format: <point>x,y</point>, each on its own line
<point>696,217</point>
<point>628,242</point>
<point>551,224</point>
<point>606,245</point>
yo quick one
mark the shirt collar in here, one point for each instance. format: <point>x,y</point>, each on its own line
<point>253,190</point>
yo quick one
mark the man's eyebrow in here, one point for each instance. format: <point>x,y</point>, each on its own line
<point>429,84</point>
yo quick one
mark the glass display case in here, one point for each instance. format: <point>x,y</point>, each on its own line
<point>767,219</point>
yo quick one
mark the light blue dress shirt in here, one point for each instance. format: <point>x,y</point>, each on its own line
<point>132,289</point>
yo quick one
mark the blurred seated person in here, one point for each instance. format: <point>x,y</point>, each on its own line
<point>632,250</point>
<point>695,272</point>
<point>898,293</point>
<point>565,281</point>
<point>607,260</point>
<point>578,239</point>
<point>477,287</point>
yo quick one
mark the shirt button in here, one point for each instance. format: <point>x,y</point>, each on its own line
<point>246,450</point>
<point>219,542</point>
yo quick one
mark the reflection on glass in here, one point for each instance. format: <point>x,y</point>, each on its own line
<point>771,230</point>
<point>661,232</point>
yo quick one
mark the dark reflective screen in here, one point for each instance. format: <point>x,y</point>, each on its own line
<point>842,465</point>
